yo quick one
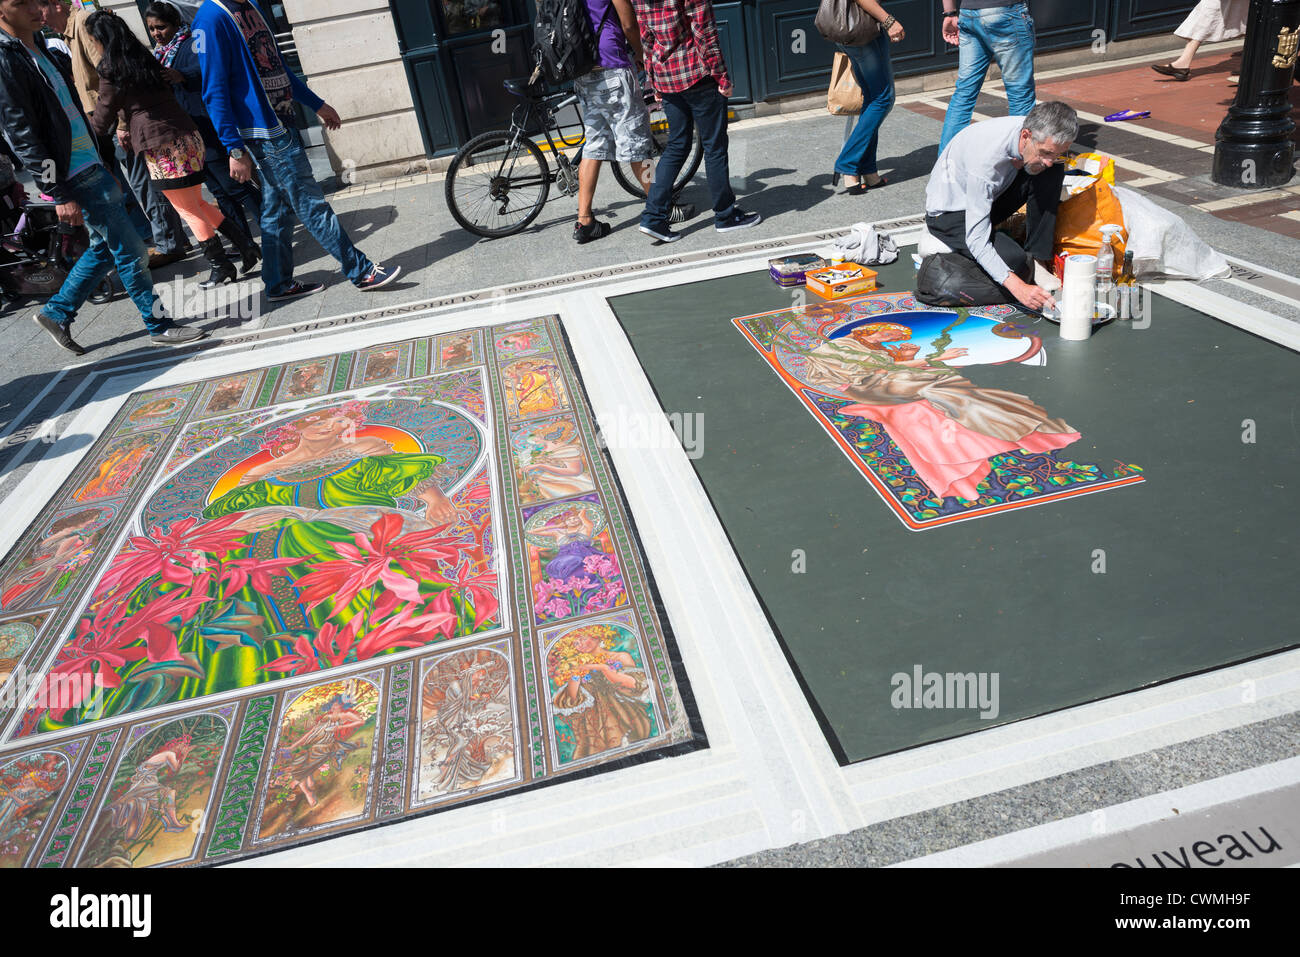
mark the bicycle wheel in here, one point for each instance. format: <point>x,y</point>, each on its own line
<point>626,176</point>
<point>497,184</point>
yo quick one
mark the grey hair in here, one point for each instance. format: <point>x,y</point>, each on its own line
<point>1053,120</point>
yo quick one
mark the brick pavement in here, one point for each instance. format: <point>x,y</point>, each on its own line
<point>1168,154</point>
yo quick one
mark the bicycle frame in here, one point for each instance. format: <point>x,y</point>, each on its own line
<point>544,111</point>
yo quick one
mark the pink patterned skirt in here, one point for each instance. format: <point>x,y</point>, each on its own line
<point>177,164</point>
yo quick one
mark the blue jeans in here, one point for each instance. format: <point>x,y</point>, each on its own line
<point>289,189</point>
<point>113,242</point>
<point>702,104</point>
<point>1004,34</point>
<point>875,75</point>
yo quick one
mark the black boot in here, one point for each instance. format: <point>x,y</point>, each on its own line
<point>223,270</point>
<point>242,242</point>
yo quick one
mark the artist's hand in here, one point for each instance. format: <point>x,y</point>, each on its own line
<point>951,34</point>
<point>1029,296</point>
<point>69,213</point>
<point>896,32</point>
<point>329,116</point>
<point>241,170</point>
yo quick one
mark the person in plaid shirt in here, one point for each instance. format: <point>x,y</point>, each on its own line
<point>684,66</point>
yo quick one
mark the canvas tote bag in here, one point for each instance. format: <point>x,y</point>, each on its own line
<point>844,98</point>
<point>843,21</point>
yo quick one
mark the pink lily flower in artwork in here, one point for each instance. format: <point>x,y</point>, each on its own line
<point>329,650</point>
<point>171,554</point>
<point>110,640</point>
<point>482,591</point>
<point>150,624</point>
<point>370,561</point>
<point>404,630</point>
<point>236,574</point>
<point>446,618</point>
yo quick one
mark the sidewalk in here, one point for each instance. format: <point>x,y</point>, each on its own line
<point>780,166</point>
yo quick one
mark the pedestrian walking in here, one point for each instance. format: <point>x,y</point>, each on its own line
<point>174,50</point>
<point>988,31</point>
<point>165,227</point>
<point>250,95</point>
<point>1209,22</point>
<point>44,124</point>
<point>685,67</point>
<point>615,119</point>
<point>131,82</point>
<point>875,75</point>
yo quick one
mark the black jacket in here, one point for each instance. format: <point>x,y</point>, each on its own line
<point>32,117</point>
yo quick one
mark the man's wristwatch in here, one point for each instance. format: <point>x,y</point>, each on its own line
<point>951,13</point>
<point>237,153</point>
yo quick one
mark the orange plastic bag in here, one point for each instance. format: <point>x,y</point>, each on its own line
<point>1093,204</point>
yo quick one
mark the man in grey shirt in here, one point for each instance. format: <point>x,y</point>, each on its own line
<point>988,172</point>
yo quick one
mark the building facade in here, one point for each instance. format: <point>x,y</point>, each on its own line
<point>414,79</point>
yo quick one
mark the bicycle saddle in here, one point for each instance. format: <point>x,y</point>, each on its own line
<point>520,86</point>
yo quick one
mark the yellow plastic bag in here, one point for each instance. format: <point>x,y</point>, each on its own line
<point>1090,205</point>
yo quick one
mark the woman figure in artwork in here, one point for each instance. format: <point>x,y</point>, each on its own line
<point>520,341</point>
<point>147,796</point>
<point>601,693</point>
<point>553,460</point>
<point>573,533</point>
<point>325,741</point>
<point>18,795</point>
<point>118,467</point>
<point>323,482</point>
<point>533,389</point>
<point>66,547</point>
<point>948,427</point>
<point>472,725</point>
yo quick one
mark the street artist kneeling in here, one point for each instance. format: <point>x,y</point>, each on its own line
<point>986,173</point>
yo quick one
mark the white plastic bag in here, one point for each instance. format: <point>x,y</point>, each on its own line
<point>1163,245</point>
<point>864,246</point>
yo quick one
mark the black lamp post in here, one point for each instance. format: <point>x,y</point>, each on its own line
<point>1253,147</point>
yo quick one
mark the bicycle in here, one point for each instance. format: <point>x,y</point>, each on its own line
<point>499,181</point>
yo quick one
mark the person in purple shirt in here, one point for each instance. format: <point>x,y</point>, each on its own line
<point>617,124</point>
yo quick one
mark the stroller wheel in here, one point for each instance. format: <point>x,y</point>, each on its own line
<point>103,292</point>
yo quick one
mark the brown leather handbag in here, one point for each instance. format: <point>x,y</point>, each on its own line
<point>843,21</point>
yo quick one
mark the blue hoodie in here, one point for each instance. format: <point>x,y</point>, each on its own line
<point>232,89</point>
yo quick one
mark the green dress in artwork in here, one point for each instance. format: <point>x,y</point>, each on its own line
<point>377,481</point>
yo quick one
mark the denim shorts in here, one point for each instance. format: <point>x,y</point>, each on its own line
<point>615,120</point>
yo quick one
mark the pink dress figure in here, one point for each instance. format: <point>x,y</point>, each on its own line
<point>948,427</point>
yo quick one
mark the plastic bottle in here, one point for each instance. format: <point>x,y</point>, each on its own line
<point>1106,271</point>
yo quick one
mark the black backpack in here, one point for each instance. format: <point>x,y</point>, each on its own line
<point>564,44</point>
